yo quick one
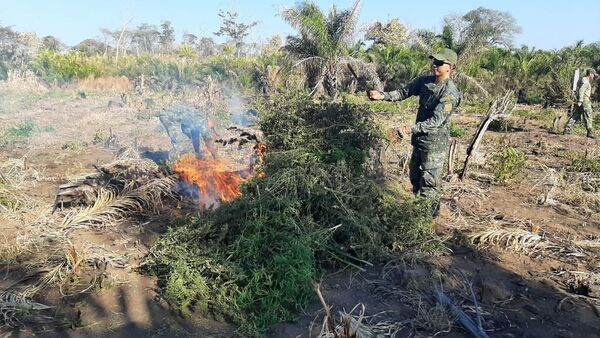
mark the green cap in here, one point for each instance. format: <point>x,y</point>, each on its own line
<point>591,71</point>
<point>447,55</point>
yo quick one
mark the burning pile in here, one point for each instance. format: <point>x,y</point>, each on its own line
<point>215,180</point>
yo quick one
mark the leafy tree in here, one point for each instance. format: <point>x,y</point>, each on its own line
<point>145,38</point>
<point>397,65</point>
<point>167,36</point>
<point>189,39</point>
<point>91,47</point>
<point>52,43</point>
<point>324,47</point>
<point>206,47</point>
<point>235,30</point>
<point>120,39</point>
<point>481,27</point>
<point>187,51</point>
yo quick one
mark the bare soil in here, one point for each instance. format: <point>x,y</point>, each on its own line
<point>522,292</point>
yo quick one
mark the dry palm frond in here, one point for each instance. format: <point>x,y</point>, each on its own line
<point>16,308</point>
<point>350,325</point>
<point>110,207</point>
<point>512,238</point>
<point>15,171</point>
<point>106,210</point>
<point>588,244</point>
<point>473,81</point>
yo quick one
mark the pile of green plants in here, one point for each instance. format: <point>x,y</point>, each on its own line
<point>319,206</point>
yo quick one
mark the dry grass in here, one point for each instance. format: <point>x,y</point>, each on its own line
<point>355,324</point>
<point>22,81</point>
<point>577,189</point>
<point>436,318</point>
<point>105,84</point>
<point>16,178</point>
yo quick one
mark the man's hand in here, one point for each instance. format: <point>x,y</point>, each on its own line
<point>375,95</point>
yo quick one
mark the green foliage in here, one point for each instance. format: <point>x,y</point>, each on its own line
<point>456,131</point>
<point>398,65</point>
<point>21,132</point>
<point>409,221</point>
<point>596,122</point>
<point>585,164</point>
<point>52,66</point>
<point>319,204</point>
<point>508,164</point>
<point>542,115</point>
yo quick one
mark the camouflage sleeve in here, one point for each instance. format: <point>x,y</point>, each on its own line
<point>441,113</point>
<point>409,90</point>
<point>585,86</point>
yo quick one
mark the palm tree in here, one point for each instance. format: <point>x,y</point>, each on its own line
<point>398,65</point>
<point>323,49</point>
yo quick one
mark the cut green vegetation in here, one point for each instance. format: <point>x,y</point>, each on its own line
<point>319,205</point>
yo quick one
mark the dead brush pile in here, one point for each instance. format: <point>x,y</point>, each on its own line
<point>319,204</point>
<point>117,190</point>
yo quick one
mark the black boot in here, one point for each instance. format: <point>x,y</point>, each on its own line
<point>591,135</point>
<point>567,131</point>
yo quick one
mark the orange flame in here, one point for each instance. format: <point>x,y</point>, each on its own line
<point>212,177</point>
<point>215,179</point>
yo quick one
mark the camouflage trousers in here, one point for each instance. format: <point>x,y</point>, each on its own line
<point>426,169</point>
<point>584,112</point>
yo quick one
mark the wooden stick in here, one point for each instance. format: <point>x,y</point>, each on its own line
<point>327,308</point>
<point>498,108</point>
<point>451,157</point>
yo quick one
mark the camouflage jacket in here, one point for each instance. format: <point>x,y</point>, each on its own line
<point>584,92</point>
<point>436,103</point>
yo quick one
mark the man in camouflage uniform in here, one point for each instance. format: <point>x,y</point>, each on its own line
<point>191,122</point>
<point>584,104</point>
<point>438,98</point>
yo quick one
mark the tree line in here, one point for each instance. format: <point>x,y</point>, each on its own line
<point>326,55</point>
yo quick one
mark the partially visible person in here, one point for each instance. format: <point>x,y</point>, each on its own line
<point>438,98</point>
<point>194,124</point>
<point>583,108</point>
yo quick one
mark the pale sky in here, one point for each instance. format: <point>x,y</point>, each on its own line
<point>545,24</point>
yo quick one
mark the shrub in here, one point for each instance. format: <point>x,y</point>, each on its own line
<point>508,164</point>
<point>456,131</point>
<point>52,66</point>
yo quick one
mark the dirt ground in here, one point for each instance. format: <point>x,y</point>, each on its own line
<point>527,249</point>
